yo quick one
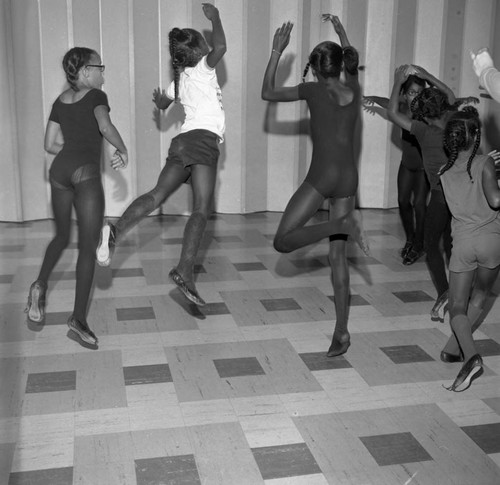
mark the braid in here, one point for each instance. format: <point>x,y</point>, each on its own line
<point>473,154</point>
<point>462,130</point>
<point>306,70</point>
<point>186,50</point>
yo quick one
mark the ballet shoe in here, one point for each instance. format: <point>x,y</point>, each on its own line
<point>82,330</point>
<point>35,307</point>
<point>450,358</point>
<point>405,249</point>
<point>440,308</point>
<point>412,256</point>
<point>470,371</point>
<point>191,294</point>
<point>338,348</point>
<point>106,247</point>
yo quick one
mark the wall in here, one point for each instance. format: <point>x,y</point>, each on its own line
<point>267,149</point>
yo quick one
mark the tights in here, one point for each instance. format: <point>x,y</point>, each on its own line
<point>412,183</point>
<point>437,226</point>
<point>88,200</point>
<point>171,178</point>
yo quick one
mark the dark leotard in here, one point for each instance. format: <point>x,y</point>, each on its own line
<point>333,172</point>
<point>82,138</point>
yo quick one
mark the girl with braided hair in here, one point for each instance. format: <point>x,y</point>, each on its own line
<point>334,107</point>
<point>471,189</point>
<point>78,121</point>
<point>430,111</point>
<point>193,154</point>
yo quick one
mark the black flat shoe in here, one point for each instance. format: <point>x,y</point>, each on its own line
<point>191,295</point>
<point>35,307</point>
<point>440,308</point>
<point>406,249</point>
<point>82,330</point>
<point>412,256</point>
<point>470,371</point>
<point>338,348</point>
<point>451,358</point>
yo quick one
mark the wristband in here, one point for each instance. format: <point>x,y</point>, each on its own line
<point>278,52</point>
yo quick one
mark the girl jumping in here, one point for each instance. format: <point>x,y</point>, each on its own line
<point>193,154</point>
<point>334,107</point>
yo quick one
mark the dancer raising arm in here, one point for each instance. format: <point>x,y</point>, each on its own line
<point>334,108</point>
<point>193,154</point>
<point>471,190</point>
<point>80,116</point>
<point>430,111</point>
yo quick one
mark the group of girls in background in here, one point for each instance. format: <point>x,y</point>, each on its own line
<point>440,152</point>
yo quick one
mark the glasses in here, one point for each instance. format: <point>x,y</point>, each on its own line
<point>101,67</point>
<point>411,92</point>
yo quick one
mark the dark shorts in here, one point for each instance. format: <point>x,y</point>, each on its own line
<point>69,181</point>
<point>194,147</point>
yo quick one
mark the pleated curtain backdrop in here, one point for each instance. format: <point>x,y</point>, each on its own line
<point>267,148</point>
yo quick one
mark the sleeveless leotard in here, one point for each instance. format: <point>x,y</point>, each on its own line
<point>333,172</point>
<point>82,138</point>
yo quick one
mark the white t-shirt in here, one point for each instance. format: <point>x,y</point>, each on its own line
<point>201,98</point>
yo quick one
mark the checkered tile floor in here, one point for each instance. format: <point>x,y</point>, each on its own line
<point>239,391</point>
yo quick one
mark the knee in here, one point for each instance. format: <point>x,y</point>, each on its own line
<point>403,202</point>
<point>280,246</point>
<point>62,239</point>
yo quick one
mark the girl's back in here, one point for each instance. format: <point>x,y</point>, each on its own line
<point>471,212</point>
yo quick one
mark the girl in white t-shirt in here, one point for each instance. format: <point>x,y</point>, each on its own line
<point>193,154</point>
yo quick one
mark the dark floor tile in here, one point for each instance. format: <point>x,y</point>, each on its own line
<point>127,272</point>
<point>56,318</point>
<point>218,308</point>
<point>376,232</point>
<point>138,313</point>
<point>285,461</point>
<point>172,241</point>
<point>167,470</point>
<point>362,260</point>
<point>319,361</point>
<point>147,374</point>
<point>49,476</point>
<point>354,300</point>
<point>280,304</point>
<point>412,296</point>
<point>309,264</point>
<point>238,367</point>
<point>228,239</point>
<point>395,449</point>
<point>487,347</point>
<point>405,354</point>
<point>249,266</point>
<point>199,269</point>
<point>6,279</point>
<point>486,436</point>
<point>51,381</point>
<point>11,248</point>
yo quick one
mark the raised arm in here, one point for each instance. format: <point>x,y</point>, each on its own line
<point>269,90</point>
<point>434,81</point>
<point>339,28</point>
<point>489,76</point>
<point>393,112</point>
<point>218,36</point>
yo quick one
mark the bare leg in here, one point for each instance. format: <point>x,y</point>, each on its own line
<point>292,232</point>
<point>170,179</point>
<point>485,278</point>
<point>203,183</point>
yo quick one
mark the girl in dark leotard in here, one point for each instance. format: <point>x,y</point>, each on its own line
<point>412,184</point>
<point>77,123</point>
<point>334,107</point>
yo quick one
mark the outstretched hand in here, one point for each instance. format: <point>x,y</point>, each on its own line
<point>211,12</point>
<point>402,72</point>
<point>369,105</point>
<point>282,37</point>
